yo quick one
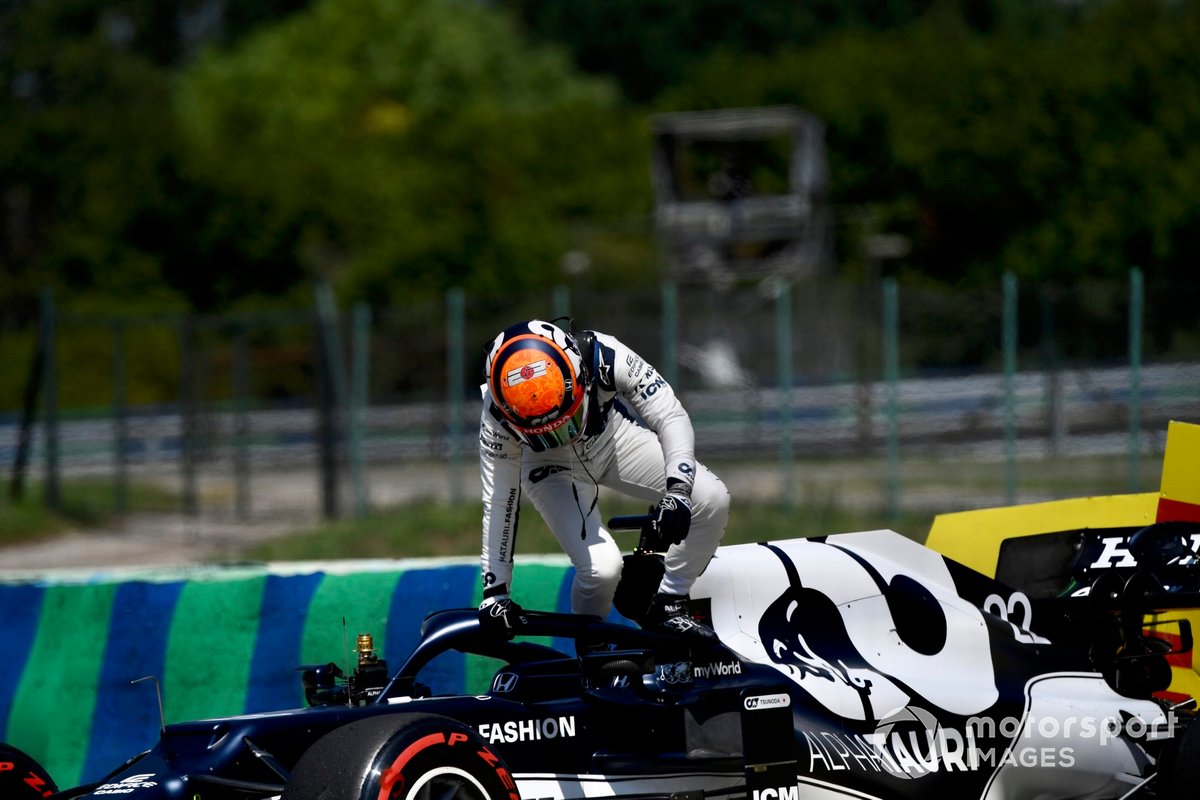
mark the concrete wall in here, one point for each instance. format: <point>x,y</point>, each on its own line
<point>220,641</point>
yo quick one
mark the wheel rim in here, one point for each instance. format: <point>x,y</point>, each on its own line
<point>444,783</point>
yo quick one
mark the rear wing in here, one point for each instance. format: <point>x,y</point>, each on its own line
<point>975,538</point>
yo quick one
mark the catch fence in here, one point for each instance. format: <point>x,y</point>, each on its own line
<point>774,373</point>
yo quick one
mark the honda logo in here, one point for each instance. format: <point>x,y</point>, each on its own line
<point>504,683</point>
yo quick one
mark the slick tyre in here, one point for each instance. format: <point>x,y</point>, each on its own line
<point>401,757</point>
<point>22,778</point>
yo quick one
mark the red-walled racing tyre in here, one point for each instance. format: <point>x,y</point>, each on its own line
<point>22,778</point>
<point>402,757</point>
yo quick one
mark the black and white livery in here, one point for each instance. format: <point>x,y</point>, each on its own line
<point>858,665</point>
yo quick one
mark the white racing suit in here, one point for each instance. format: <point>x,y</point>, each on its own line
<point>637,436</point>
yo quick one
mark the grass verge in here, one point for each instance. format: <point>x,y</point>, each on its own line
<point>83,503</point>
<point>429,528</point>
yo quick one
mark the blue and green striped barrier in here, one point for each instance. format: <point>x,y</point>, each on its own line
<point>220,642</point>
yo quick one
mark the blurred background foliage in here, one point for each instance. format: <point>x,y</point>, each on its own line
<point>202,155</point>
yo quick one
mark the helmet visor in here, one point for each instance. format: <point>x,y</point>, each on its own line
<point>560,432</point>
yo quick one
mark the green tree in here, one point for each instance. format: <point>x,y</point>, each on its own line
<point>652,45</point>
<point>1060,149</point>
<point>90,190</point>
<point>400,146</point>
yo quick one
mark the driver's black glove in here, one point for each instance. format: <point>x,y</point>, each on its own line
<point>672,517</point>
<point>501,615</point>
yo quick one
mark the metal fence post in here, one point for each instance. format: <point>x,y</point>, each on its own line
<point>360,365</point>
<point>560,301</point>
<point>241,423</point>
<point>1136,300</point>
<point>783,351</point>
<point>331,398</point>
<point>52,493</point>
<point>188,413</point>
<point>29,409</point>
<point>669,360</point>
<point>1009,335</point>
<point>120,419</point>
<point>455,392</point>
<point>891,378</point>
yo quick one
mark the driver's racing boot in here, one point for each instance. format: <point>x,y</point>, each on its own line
<point>669,612</point>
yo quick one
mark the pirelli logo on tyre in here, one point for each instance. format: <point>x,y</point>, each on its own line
<point>760,702</point>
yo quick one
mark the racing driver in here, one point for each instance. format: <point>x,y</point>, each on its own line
<point>564,415</point>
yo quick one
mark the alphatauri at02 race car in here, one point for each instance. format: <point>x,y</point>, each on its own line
<point>858,665</point>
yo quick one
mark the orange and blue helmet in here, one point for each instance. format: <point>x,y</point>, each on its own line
<point>535,378</point>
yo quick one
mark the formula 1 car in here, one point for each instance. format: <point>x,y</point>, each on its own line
<point>857,665</point>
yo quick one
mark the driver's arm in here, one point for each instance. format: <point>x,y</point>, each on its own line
<point>649,394</point>
<point>500,475</point>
